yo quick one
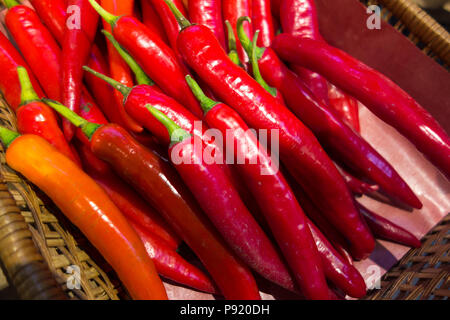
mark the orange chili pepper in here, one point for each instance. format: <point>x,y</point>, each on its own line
<point>88,207</point>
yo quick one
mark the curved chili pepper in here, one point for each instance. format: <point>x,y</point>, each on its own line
<point>159,184</point>
<point>276,199</point>
<point>300,17</point>
<point>10,87</point>
<point>336,136</point>
<point>35,117</point>
<point>299,149</point>
<point>88,207</point>
<point>382,96</point>
<point>170,264</point>
<point>384,229</point>
<point>262,20</point>
<point>152,20</point>
<point>357,186</point>
<point>76,48</point>
<point>222,204</point>
<point>128,201</point>
<point>208,13</point>
<point>36,45</point>
<point>232,10</point>
<point>118,69</point>
<point>53,15</point>
<point>232,46</point>
<point>153,55</point>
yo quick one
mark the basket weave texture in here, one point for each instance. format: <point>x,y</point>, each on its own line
<point>422,274</point>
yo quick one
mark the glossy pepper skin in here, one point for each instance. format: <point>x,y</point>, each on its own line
<point>10,59</point>
<point>171,265</point>
<point>88,207</point>
<point>155,57</point>
<point>158,183</point>
<point>382,96</point>
<point>341,141</point>
<point>299,17</point>
<point>384,229</point>
<point>35,117</point>
<point>53,14</point>
<point>152,21</point>
<point>125,198</point>
<point>37,46</point>
<point>262,20</point>
<point>276,199</point>
<point>232,11</point>
<point>222,204</point>
<point>209,13</point>
<point>118,69</point>
<point>76,48</point>
<point>299,149</point>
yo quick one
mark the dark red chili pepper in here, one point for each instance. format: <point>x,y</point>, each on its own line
<point>36,45</point>
<point>262,20</point>
<point>10,87</point>
<point>153,55</point>
<point>158,183</point>
<point>345,105</point>
<point>35,117</point>
<point>275,7</point>
<point>382,96</point>
<point>170,264</point>
<point>336,136</point>
<point>275,198</point>
<point>222,204</point>
<point>53,14</point>
<point>128,201</point>
<point>300,17</point>
<point>208,13</point>
<point>357,186</point>
<point>152,20</point>
<point>299,149</point>
<point>76,48</point>
<point>118,69</point>
<point>384,229</point>
<point>232,11</point>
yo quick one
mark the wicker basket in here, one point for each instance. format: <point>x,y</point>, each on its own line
<point>422,273</point>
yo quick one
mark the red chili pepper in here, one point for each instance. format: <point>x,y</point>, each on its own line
<point>208,13</point>
<point>299,17</point>
<point>337,137</point>
<point>152,20</point>
<point>37,46</point>
<point>276,199</point>
<point>53,14</point>
<point>222,204</point>
<point>384,229</point>
<point>382,96</point>
<point>262,20</point>
<point>128,201</point>
<point>299,149</point>
<point>159,184</point>
<point>275,7</point>
<point>118,69</point>
<point>357,186</point>
<point>170,264</point>
<point>35,117</point>
<point>76,47</point>
<point>153,55</point>
<point>10,87</point>
<point>232,11</point>
<point>345,105</point>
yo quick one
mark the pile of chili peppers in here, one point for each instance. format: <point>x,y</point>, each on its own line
<point>114,126</point>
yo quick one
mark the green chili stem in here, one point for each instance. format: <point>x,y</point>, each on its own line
<point>108,17</point>
<point>8,136</point>
<point>115,84</point>
<point>205,102</point>
<point>141,76</point>
<point>182,21</point>
<point>27,93</point>
<point>87,127</point>
<point>176,133</point>
<point>232,54</point>
<point>255,67</point>
<point>11,3</point>
<point>245,40</point>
